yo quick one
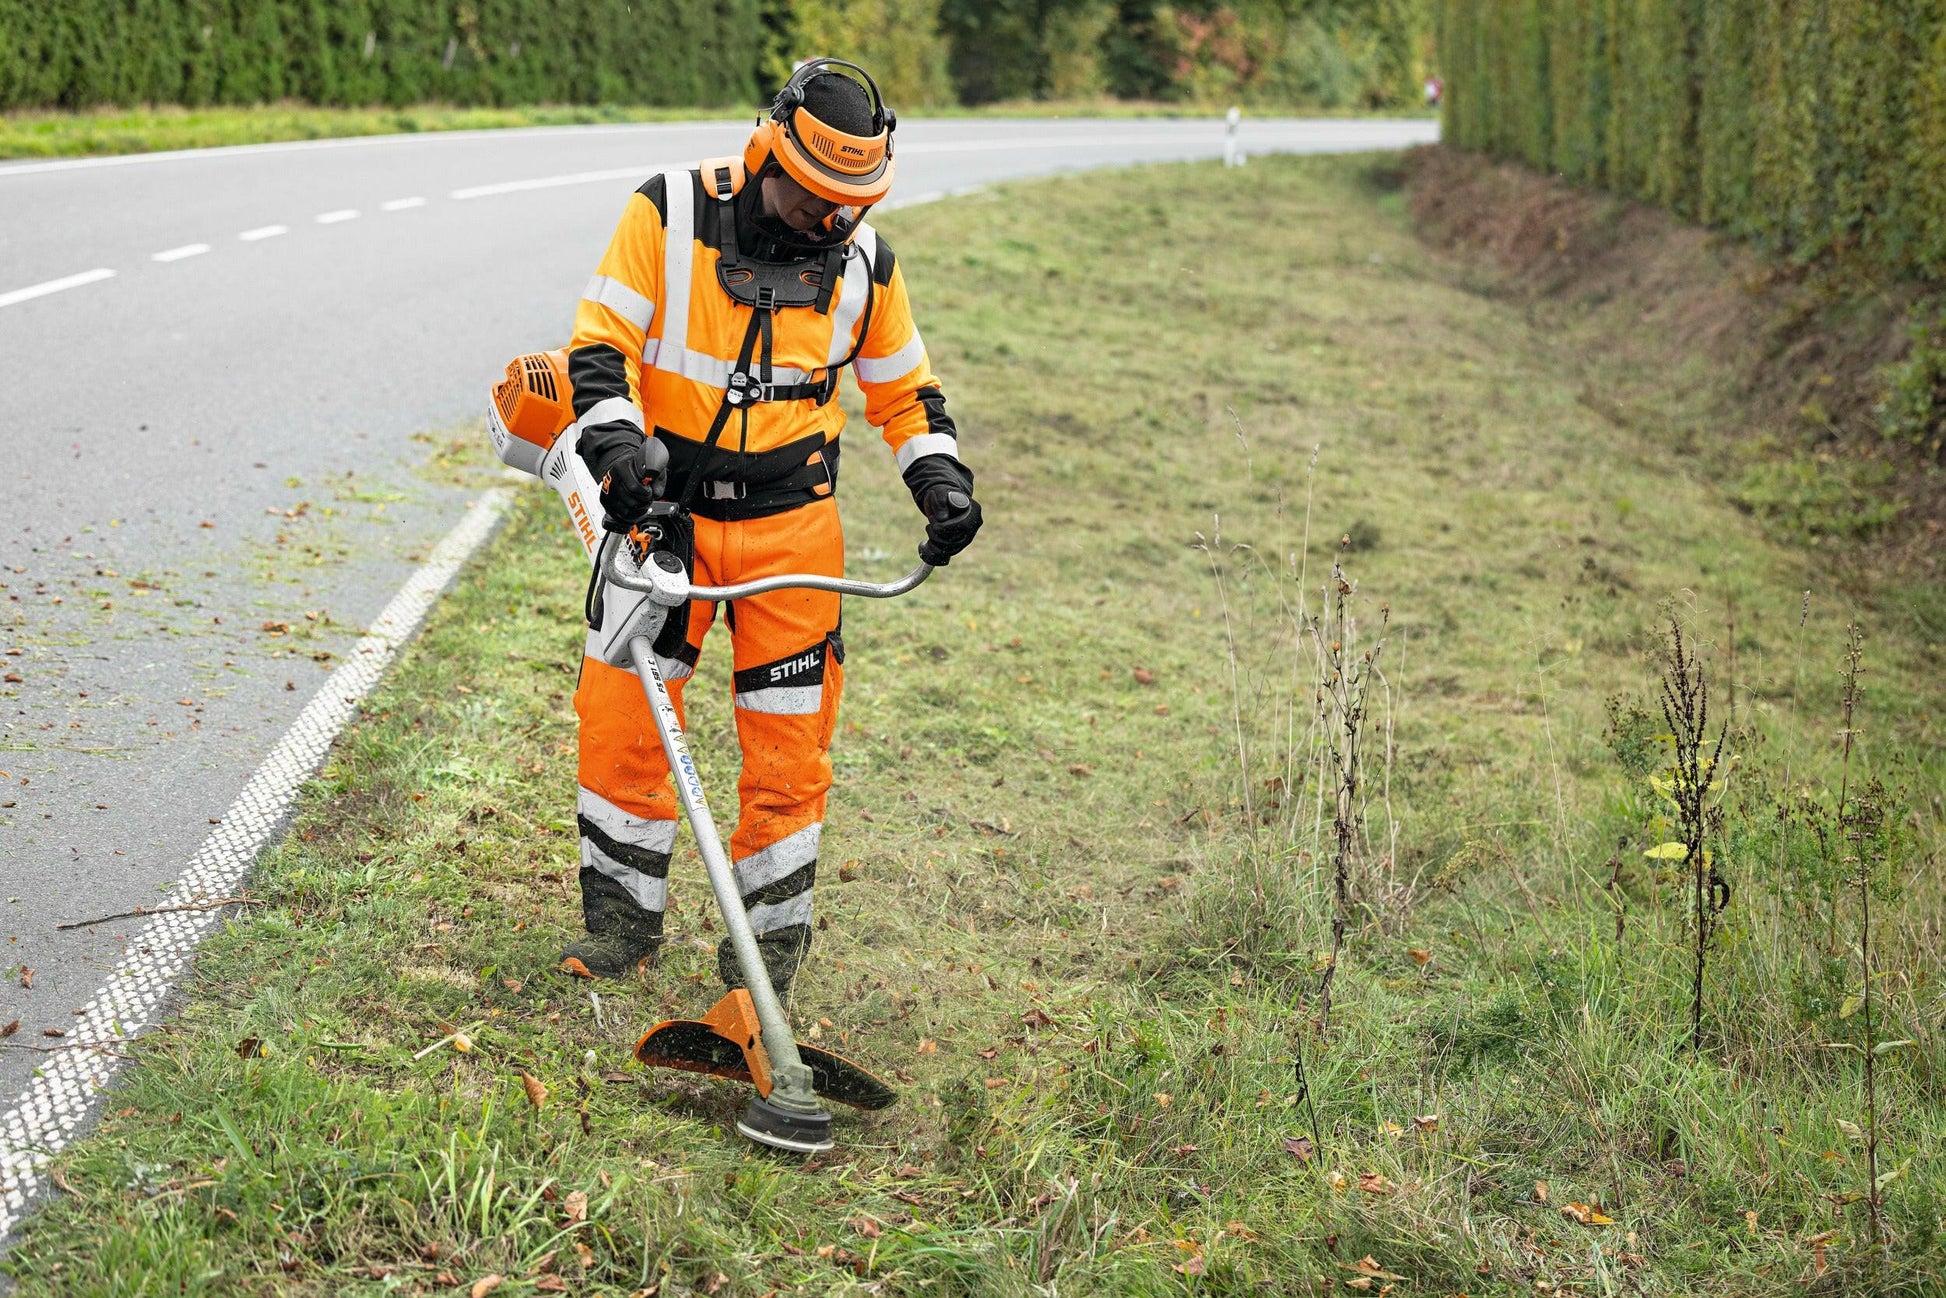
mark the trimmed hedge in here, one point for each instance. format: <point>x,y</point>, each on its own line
<point>83,53</point>
<point>1809,126</point>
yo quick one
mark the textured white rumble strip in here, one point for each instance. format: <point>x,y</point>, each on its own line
<point>50,1112</point>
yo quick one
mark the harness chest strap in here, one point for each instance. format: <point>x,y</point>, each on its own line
<point>742,388</point>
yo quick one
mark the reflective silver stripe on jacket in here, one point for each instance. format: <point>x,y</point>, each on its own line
<point>621,299</point>
<point>857,290</point>
<point>883,369</point>
<point>927,444</point>
<point>678,259</point>
<point>612,410</point>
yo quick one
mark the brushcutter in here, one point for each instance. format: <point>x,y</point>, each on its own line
<point>745,1036</point>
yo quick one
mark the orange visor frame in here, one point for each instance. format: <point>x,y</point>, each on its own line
<point>849,170</point>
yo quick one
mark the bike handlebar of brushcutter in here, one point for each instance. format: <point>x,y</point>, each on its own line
<point>669,587</point>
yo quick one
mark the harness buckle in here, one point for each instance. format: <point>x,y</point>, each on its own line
<point>741,388</point>
<point>717,490</point>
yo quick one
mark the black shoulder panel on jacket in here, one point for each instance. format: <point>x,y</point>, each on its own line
<point>882,268</point>
<point>656,190</point>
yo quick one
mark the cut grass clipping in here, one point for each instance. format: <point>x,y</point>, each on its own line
<point>1079,876</point>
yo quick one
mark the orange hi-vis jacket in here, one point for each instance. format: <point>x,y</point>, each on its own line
<point>659,342</point>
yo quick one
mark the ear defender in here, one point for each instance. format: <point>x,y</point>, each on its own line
<point>852,171</point>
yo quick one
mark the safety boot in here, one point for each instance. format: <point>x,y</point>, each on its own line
<point>621,935</point>
<point>783,952</point>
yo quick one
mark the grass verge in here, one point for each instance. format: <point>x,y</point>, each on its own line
<point>39,134</point>
<point>1073,884</point>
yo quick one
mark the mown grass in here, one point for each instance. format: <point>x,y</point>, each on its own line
<point>1084,918</point>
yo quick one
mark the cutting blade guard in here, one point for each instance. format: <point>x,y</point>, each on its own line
<point>728,1042</point>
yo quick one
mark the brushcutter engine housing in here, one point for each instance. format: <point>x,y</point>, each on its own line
<point>530,420</point>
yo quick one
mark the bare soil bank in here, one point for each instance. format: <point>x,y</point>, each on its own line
<point>1792,363</point>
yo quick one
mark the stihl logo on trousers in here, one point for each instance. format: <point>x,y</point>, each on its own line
<point>781,672</point>
<point>806,668</point>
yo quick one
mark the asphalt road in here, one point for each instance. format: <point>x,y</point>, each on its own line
<point>222,368</point>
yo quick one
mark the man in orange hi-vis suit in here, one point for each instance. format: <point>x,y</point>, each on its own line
<point>712,336</point>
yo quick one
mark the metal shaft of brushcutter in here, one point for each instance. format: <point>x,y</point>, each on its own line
<point>792,1078</point>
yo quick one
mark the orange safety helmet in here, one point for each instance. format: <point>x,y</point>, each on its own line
<point>853,171</point>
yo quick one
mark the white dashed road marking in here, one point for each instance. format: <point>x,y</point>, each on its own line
<point>50,1113</point>
<point>401,204</point>
<point>264,232</point>
<point>55,286</point>
<point>342,214</point>
<point>551,182</point>
<point>177,254</point>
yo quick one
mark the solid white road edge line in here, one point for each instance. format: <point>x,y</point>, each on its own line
<point>55,286</point>
<point>400,204</point>
<point>332,218</point>
<point>264,232</point>
<point>177,254</point>
<point>50,1113</point>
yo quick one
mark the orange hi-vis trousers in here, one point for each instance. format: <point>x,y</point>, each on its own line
<point>788,659</point>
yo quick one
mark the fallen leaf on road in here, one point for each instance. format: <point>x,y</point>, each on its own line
<point>1302,1146</point>
<point>27,978</point>
<point>10,1029</point>
<point>536,1091</point>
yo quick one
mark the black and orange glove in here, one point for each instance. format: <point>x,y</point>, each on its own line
<point>942,487</point>
<point>632,470</point>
